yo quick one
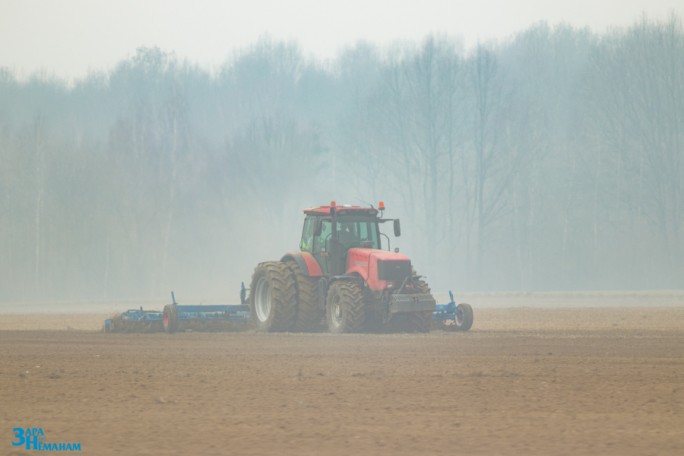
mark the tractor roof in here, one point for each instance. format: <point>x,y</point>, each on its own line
<point>341,209</point>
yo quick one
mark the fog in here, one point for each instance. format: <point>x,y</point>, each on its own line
<point>553,160</point>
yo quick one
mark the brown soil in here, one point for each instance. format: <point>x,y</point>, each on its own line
<point>523,381</point>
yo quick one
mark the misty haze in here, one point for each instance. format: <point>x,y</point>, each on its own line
<point>550,161</point>
<point>537,174</point>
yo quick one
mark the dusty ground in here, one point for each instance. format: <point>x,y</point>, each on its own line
<point>523,381</point>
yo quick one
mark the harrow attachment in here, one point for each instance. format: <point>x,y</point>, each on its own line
<point>176,317</point>
<point>135,320</point>
<point>219,317</point>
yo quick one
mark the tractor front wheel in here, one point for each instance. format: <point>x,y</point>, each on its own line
<point>420,321</point>
<point>345,307</point>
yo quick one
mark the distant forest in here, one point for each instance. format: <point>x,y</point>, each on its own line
<point>553,160</point>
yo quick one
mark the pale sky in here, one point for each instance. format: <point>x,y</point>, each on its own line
<point>69,38</point>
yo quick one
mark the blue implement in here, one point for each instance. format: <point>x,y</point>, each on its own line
<point>180,317</point>
<point>135,320</point>
<point>452,316</point>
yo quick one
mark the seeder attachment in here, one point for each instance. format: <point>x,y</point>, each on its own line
<point>217,317</point>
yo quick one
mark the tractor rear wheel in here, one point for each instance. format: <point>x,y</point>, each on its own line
<point>170,319</point>
<point>345,307</point>
<point>272,301</point>
<point>309,314</point>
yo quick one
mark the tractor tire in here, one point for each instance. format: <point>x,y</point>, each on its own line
<point>272,300</point>
<point>464,317</point>
<point>309,314</point>
<point>420,321</point>
<point>345,307</point>
<point>170,319</point>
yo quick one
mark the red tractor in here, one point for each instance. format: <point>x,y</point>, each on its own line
<point>343,277</point>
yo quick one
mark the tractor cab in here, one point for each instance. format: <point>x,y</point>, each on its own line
<point>330,231</point>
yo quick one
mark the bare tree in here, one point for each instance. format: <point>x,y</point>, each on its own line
<point>638,102</point>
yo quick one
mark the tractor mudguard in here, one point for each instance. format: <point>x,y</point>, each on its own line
<point>306,262</point>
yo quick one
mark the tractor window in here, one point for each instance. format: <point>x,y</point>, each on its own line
<point>348,234</point>
<point>320,242</point>
<point>307,235</point>
<point>368,232</point>
<point>358,233</point>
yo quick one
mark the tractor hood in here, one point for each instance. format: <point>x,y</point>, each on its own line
<point>379,268</point>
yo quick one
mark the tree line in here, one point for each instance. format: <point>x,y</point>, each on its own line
<point>553,160</point>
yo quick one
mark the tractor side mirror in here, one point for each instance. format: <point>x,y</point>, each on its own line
<point>397,228</point>
<point>318,227</point>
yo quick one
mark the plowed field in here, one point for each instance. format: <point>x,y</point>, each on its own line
<point>523,382</point>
